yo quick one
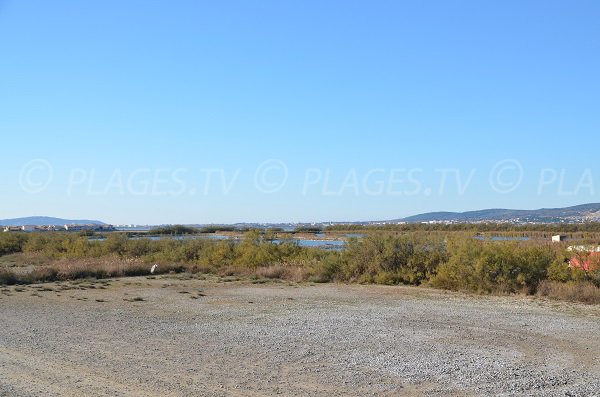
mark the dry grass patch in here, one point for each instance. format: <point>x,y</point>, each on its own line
<point>585,292</point>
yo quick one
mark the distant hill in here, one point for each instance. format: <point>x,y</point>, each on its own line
<point>577,213</point>
<point>46,220</point>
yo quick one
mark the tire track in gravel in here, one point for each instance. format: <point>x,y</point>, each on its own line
<point>56,377</point>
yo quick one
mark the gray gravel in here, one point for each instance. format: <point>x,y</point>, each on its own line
<point>208,338</point>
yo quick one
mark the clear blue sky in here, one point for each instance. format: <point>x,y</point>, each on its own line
<point>114,110</point>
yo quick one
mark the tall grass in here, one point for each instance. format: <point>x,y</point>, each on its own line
<point>585,292</point>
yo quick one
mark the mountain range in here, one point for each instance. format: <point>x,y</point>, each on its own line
<point>576,214</point>
<point>46,221</point>
<point>579,213</point>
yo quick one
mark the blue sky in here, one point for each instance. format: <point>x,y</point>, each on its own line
<point>240,111</point>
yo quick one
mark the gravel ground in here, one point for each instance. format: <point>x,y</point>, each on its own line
<point>188,337</point>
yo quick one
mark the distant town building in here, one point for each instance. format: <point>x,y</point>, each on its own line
<point>583,248</point>
<point>13,229</point>
<point>47,228</point>
<point>54,228</point>
<point>558,238</point>
<point>93,228</point>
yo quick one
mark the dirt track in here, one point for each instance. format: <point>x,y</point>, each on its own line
<point>208,338</point>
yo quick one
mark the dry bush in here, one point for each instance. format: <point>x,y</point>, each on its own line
<point>276,271</point>
<point>23,259</point>
<point>202,269</point>
<point>281,271</point>
<point>228,271</point>
<point>43,274</point>
<point>100,267</point>
<point>585,292</point>
<point>72,269</point>
<point>288,271</point>
<point>7,277</point>
<point>298,274</point>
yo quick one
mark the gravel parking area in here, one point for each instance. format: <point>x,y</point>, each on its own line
<point>168,336</point>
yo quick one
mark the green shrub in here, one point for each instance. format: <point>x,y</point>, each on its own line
<point>176,230</point>
<point>407,259</point>
<point>11,243</point>
<point>559,271</point>
<point>505,267</point>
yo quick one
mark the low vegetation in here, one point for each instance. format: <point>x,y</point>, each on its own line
<point>586,292</point>
<point>176,230</point>
<point>308,229</point>
<point>450,260</point>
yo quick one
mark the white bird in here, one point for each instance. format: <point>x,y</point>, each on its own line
<point>154,269</point>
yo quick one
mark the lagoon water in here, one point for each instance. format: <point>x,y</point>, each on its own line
<point>500,238</point>
<point>326,244</point>
<point>314,243</point>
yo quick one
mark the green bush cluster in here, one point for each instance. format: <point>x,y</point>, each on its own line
<point>388,259</point>
<point>308,229</point>
<point>217,228</point>
<point>11,243</point>
<point>176,230</point>
<point>484,266</point>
